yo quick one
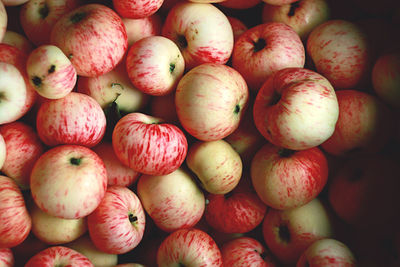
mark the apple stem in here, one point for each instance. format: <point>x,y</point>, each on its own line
<point>284,233</point>
<point>77,17</point>
<point>259,44</point>
<point>44,11</point>
<point>75,161</point>
<point>293,7</point>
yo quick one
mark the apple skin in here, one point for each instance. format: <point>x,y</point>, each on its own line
<point>93,37</point>
<point>12,94</point>
<point>340,52</point>
<point>23,148</point>
<point>210,101</point>
<point>238,27</point>
<point>117,225</point>
<point>386,78</point>
<point>289,233</point>
<point>15,222</point>
<point>201,31</point>
<point>296,108</point>
<point>57,255</point>
<point>74,119</point>
<point>216,164</point>
<point>327,252</point>
<point>85,246</point>
<point>137,29</point>
<point>364,126</point>
<point>18,40</point>
<point>189,247</point>
<point>3,151</point>
<point>68,181</point>
<point>50,72</point>
<point>6,257</point>
<point>239,4</point>
<point>154,65</point>
<point>136,9</point>
<point>38,17</point>
<point>303,16</point>
<point>286,179</point>
<point>53,230</point>
<point>113,86</point>
<point>3,21</point>
<point>265,49</point>
<point>279,2</point>
<point>117,172</point>
<point>145,144</point>
<point>246,251</point>
<point>173,201</point>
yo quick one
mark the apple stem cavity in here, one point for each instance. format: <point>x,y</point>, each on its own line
<point>293,7</point>
<point>77,17</point>
<point>284,233</point>
<point>275,98</point>
<point>171,67</point>
<point>259,45</point>
<point>285,153</point>
<point>132,218</point>
<point>237,109</point>
<point>75,161</point>
<point>44,11</point>
<point>182,42</point>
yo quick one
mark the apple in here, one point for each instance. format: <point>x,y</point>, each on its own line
<point>216,164</point>
<point>53,230</point>
<point>113,87</point>
<point>12,93</point>
<point>240,4</point>
<point>93,37</point>
<point>3,21</point>
<point>364,126</point>
<point>264,49</point>
<point>288,233</point>
<point>117,225</point>
<point>246,251</point>
<point>201,31</point>
<point>17,40</point>
<point>117,172</point>
<point>85,246</point>
<point>340,51</point>
<point>137,29</point>
<point>303,16</point>
<point>58,256</point>
<point>6,257</point>
<point>68,181</point>
<point>189,247</point>
<point>386,78</point>
<point>358,196</point>
<point>155,65</point>
<point>286,179</point>
<point>38,17</point>
<point>279,2</point>
<point>296,108</point>
<point>12,3</point>
<point>136,9</point>
<point>173,201</point>
<point>3,150</point>
<point>327,252</point>
<point>238,27</point>
<point>210,101</point>
<point>23,148</point>
<point>145,144</point>
<point>50,72</point>
<point>74,119</point>
<point>15,222</point>
<point>27,249</point>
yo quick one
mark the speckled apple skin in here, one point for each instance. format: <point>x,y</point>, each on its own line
<point>58,255</point>
<point>15,222</point>
<point>96,43</point>
<point>136,9</point>
<point>283,49</point>
<point>23,148</point>
<point>67,190</point>
<point>148,146</point>
<point>109,225</point>
<point>74,119</point>
<point>189,247</point>
<point>340,52</point>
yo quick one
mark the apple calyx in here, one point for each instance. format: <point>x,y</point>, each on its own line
<point>77,17</point>
<point>52,69</point>
<point>44,11</point>
<point>75,161</point>
<point>259,45</point>
<point>293,7</point>
<point>132,219</point>
<point>284,233</point>
<point>237,109</point>
<point>37,81</point>
<point>285,152</point>
<point>171,67</point>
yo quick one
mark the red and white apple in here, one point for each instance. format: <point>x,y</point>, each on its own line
<point>18,40</point>
<point>137,29</point>
<point>58,255</point>
<point>6,257</point>
<point>68,181</point>
<point>3,151</point>
<point>136,9</point>
<point>3,21</point>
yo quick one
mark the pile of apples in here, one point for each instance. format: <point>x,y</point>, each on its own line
<point>199,133</point>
